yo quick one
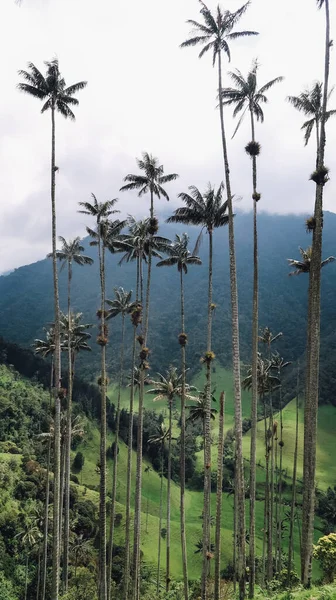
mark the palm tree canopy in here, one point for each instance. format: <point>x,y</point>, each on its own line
<point>135,380</point>
<point>72,251</point>
<point>152,179</point>
<point>179,255</point>
<point>310,103</point>
<point>169,386</point>
<point>216,30</point>
<point>246,95</point>
<point>79,335</point>
<point>121,305</point>
<point>51,88</point>
<point>198,410</point>
<point>266,380</point>
<point>161,436</point>
<point>46,346</point>
<point>137,242</point>
<point>303,265</point>
<point>207,210</point>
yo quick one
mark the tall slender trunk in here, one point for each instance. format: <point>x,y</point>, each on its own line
<point>160,526</point>
<point>38,573</point>
<point>102,499</point>
<point>127,569</point>
<point>168,496</point>
<point>293,501</point>
<point>183,449</point>
<point>241,562</point>
<point>68,441</point>
<point>207,434</point>
<point>26,577</point>
<point>254,405</point>
<point>46,503</point>
<point>266,496</point>
<point>138,485</point>
<point>314,358</point>
<point>279,519</point>
<point>57,381</point>
<point>219,496</point>
<point>62,488</point>
<point>115,461</point>
<point>270,497</point>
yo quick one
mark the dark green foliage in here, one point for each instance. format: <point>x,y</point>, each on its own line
<point>326,509</point>
<point>78,462</point>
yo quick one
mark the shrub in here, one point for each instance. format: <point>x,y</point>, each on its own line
<point>78,462</point>
<point>325,553</point>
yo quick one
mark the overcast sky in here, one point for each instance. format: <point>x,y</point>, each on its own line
<point>145,93</point>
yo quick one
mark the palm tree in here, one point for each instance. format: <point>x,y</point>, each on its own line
<point>214,33</point>
<point>210,211</point>
<point>163,434</point>
<point>71,252</point>
<point>246,96</point>
<point>303,265</point>
<point>219,495</point>
<point>309,103</point>
<point>320,177</point>
<point>179,255</point>
<point>121,305</point>
<point>56,97</point>
<point>136,244</point>
<point>29,536</point>
<point>167,388</point>
<point>101,237</point>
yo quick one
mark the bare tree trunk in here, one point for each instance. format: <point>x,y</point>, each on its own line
<point>168,497</point>
<point>102,498</point>
<point>266,498</point>
<point>207,435</point>
<point>183,450</point>
<point>292,512</point>
<point>115,461</point>
<point>254,405</point>
<point>219,496</point>
<point>270,496</point>
<point>160,527</point>
<point>57,381</point>
<point>68,441</point>
<point>280,512</point>
<point>127,569</point>
<point>241,562</point>
<point>311,407</point>
<point>46,503</point>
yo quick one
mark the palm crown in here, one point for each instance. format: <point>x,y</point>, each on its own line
<point>121,305</point>
<point>170,385</point>
<point>207,210</point>
<point>215,32</point>
<point>46,346</point>
<point>137,241</point>
<point>310,103</point>
<point>151,181</point>
<point>79,335</point>
<point>72,252</point>
<point>246,95</point>
<point>303,265</point>
<point>106,230</point>
<point>266,380</point>
<point>51,88</point>
<point>178,254</point>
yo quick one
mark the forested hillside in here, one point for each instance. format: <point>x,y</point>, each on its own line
<point>26,298</point>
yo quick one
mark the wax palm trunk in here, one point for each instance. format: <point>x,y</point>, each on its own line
<point>182,467</point>
<point>311,407</point>
<point>169,496</point>
<point>102,499</point>
<point>127,569</point>
<point>115,461</point>
<point>68,440</point>
<point>160,525</point>
<point>254,406</point>
<point>219,496</point>
<point>293,501</point>
<point>57,381</point>
<point>138,489</point>
<point>239,477</point>
<point>207,435</point>
<point>46,503</point>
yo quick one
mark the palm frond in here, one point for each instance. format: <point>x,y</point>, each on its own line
<point>270,84</point>
<point>76,87</point>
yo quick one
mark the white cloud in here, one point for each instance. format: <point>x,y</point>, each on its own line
<point>145,93</point>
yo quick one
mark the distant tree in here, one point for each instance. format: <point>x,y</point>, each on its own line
<point>79,461</point>
<point>52,91</point>
<point>102,236</point>
<point>325,553</point>
<point>214,33</point>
